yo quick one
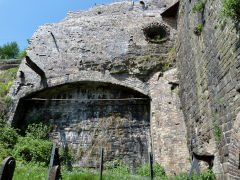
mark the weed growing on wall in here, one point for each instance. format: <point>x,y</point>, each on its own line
<point>231,9</point>
<point>199,7</point>
<point>217,133</point>
<point>200,27</point>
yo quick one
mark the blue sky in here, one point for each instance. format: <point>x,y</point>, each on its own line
<point>19,19</point>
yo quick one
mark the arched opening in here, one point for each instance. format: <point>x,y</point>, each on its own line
<point>89,115</point>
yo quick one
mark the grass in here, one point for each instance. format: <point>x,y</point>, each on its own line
<point>38,172</point>
<point>8,75</point>
<point>6,80</point>
<point>30,172</point>
<point>95,176</point>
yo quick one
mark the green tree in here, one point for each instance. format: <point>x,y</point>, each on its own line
<point>9,50</point>
<point>22,54</point>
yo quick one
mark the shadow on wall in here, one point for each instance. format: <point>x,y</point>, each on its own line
<point>238,32</point>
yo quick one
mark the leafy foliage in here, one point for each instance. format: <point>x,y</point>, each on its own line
<point>200,27</point>
<point>8,137</point>
<point>22,54</point>
<point>199,7</point>
<point>231,8</point>
<point>158,170</point>
<point>116,167</point>
<point>66,158</point>
<point>9,50</point>
<point>30,121</point>
<point>217,132</point>
<point>208,175</point>
<point>4,152</point>
<point>37,131</point>
<point>32,150</point>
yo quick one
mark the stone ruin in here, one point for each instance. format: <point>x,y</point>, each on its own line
<point>106,77</point>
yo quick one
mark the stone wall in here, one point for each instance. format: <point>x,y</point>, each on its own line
<point>208,63</point>
<point>94,115</point>
<point>168,127</point>
<point>121,44</point>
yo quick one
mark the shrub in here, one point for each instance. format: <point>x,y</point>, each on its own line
<point>208,175</point>
<point>30,121</point>
<point>231,8</point>
<point>37,131</point>
<point>4,153</point>
<point>199,7</point>
<point>116,167</point>
<point>66,157</point>
<point>158,170</point>
<point>32,150</point>
<point>8,137</point>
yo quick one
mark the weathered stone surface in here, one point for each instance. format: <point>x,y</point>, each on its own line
<point>122,126</point>
<point>104,54</point>
<point>209,75</point>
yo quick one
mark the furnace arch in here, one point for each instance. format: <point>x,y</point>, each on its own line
<point>88,115</point>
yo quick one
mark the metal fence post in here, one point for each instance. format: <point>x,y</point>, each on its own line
<point>51,160</point>
<point>101,164</point>
<point>151,165</point>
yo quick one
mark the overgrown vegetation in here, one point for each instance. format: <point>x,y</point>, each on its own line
<point>158,170</point>
<point>231,9</point>
<point>199,7</point>
<point>200,27</point>
<point>6,80</point>
<point>38,172</point>
<point>217,133</point>
<point>116,167</point>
